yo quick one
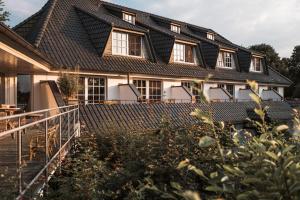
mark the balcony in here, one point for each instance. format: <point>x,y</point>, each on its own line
<point>219,95</point>
<point>270,95</point>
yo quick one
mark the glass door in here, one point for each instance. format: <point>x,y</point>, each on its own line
<point>24,84</point>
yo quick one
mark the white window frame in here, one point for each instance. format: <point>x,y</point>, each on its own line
<point>253,65</point>
<point>130,18</point>
<point>210,36</point>
<point>179,53</point>
<point>123,39</point>
<point>148,89</point>
<point>191,86</point>
<point>175,28</point>
<point>223,60</point>
<point>225,87</point>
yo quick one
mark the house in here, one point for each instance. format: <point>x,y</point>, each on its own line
<point>126,56</point>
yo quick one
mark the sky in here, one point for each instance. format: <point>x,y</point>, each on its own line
<point>274,22</point>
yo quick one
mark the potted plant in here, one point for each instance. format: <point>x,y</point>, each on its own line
<point>68,85</point>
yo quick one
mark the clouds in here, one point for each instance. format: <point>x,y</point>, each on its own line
<point>275,22</point>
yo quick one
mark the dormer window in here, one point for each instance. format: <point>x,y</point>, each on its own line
<point>128,17</point>
<point>211,36</point>
<point>175,28</point>
<point>126,44</point>
<point>183,53</point>
<point>256,64</point>
<point>226,60</point>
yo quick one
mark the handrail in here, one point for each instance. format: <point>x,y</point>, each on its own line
<point>32,123</point>
<point>35,112</point>
<point>68,119</point>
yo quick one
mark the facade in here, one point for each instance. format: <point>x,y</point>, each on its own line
<point>126,56</point>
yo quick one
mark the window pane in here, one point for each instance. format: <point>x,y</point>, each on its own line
<point>155,90</point>
<point>135,45</point>
<point>96,89</point>
<point>141,86</point>
<point>189,57</point>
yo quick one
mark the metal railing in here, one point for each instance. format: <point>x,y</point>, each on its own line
<point>33,145</point>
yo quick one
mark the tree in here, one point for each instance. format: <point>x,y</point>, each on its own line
<point>294,72</point>
<point>4,15</point>
<point>272,56</point>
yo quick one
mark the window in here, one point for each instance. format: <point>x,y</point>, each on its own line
<point>256,64</point>
<point>195,88</point>
<point>183,53</point>
<point>228,87</point>
<point>225,60</point>
<point>142,88</point>
<point>130,18</point>
<point>175,28</point>
<point>211,36</point>
<point>126,44</point>
<point>96,90</point>
<point>154,91</point>
<point>81,89</point>
<point>151,90</point>
<point>273,88</point>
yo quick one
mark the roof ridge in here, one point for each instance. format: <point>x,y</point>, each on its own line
<point>42,25</point>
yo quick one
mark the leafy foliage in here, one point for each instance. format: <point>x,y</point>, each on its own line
<point>68,84</point>
<point>208,160</point>
<point>4,15</point>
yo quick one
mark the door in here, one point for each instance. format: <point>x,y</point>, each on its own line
<point>24,85</point>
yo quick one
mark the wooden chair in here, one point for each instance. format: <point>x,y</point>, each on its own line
<point>38,142</point>
<point>3,123</point>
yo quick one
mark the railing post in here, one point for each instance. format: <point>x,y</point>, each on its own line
<point>60,144</point>
<point>46,151</point>
<point>20,156</point>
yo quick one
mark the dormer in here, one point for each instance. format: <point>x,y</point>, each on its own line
<point>129,17</point>
<point>210,36</point>
<point>184,53</point>
<point>175,28</point>
<point>256,64</point>
<point>226,59</point>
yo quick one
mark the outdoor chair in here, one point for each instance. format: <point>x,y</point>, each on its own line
<point>3,123</point>
<point>38,142</point>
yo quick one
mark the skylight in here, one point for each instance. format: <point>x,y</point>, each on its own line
<point>211,36</point>
<point>175,28</point>
<point>128,17</point>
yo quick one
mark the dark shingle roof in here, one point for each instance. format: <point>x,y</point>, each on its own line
<point>137,117</point>
<point>66,32</point>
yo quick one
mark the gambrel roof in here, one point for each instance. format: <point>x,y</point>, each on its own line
<point>75,32</point>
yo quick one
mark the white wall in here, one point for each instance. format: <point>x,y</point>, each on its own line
<point>261,89</point>
<point>244,95</point>
<point>10,87</point>
<point>270,95</point>
<point>281,91</point>
<point>126,93</point>
<point>167,91</point>
<point>180,95</point>
<point>217,94</point>
<point>237,90</point>
<point>206,88</point>
<point>113,88</point>
<point>37,99</point>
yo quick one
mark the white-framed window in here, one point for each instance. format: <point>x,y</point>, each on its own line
<point>183,53</point>
<point>229,87</point>
<point>126,44</point>
<point>96,89</point>
<point>226,60</point>
<point>149,89</point>
<point>141,85</point>
<point>175,28</point>
<point>256,64</point>
<point>211,36</point>
<point>194,87</point>
<point>129,18</point>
